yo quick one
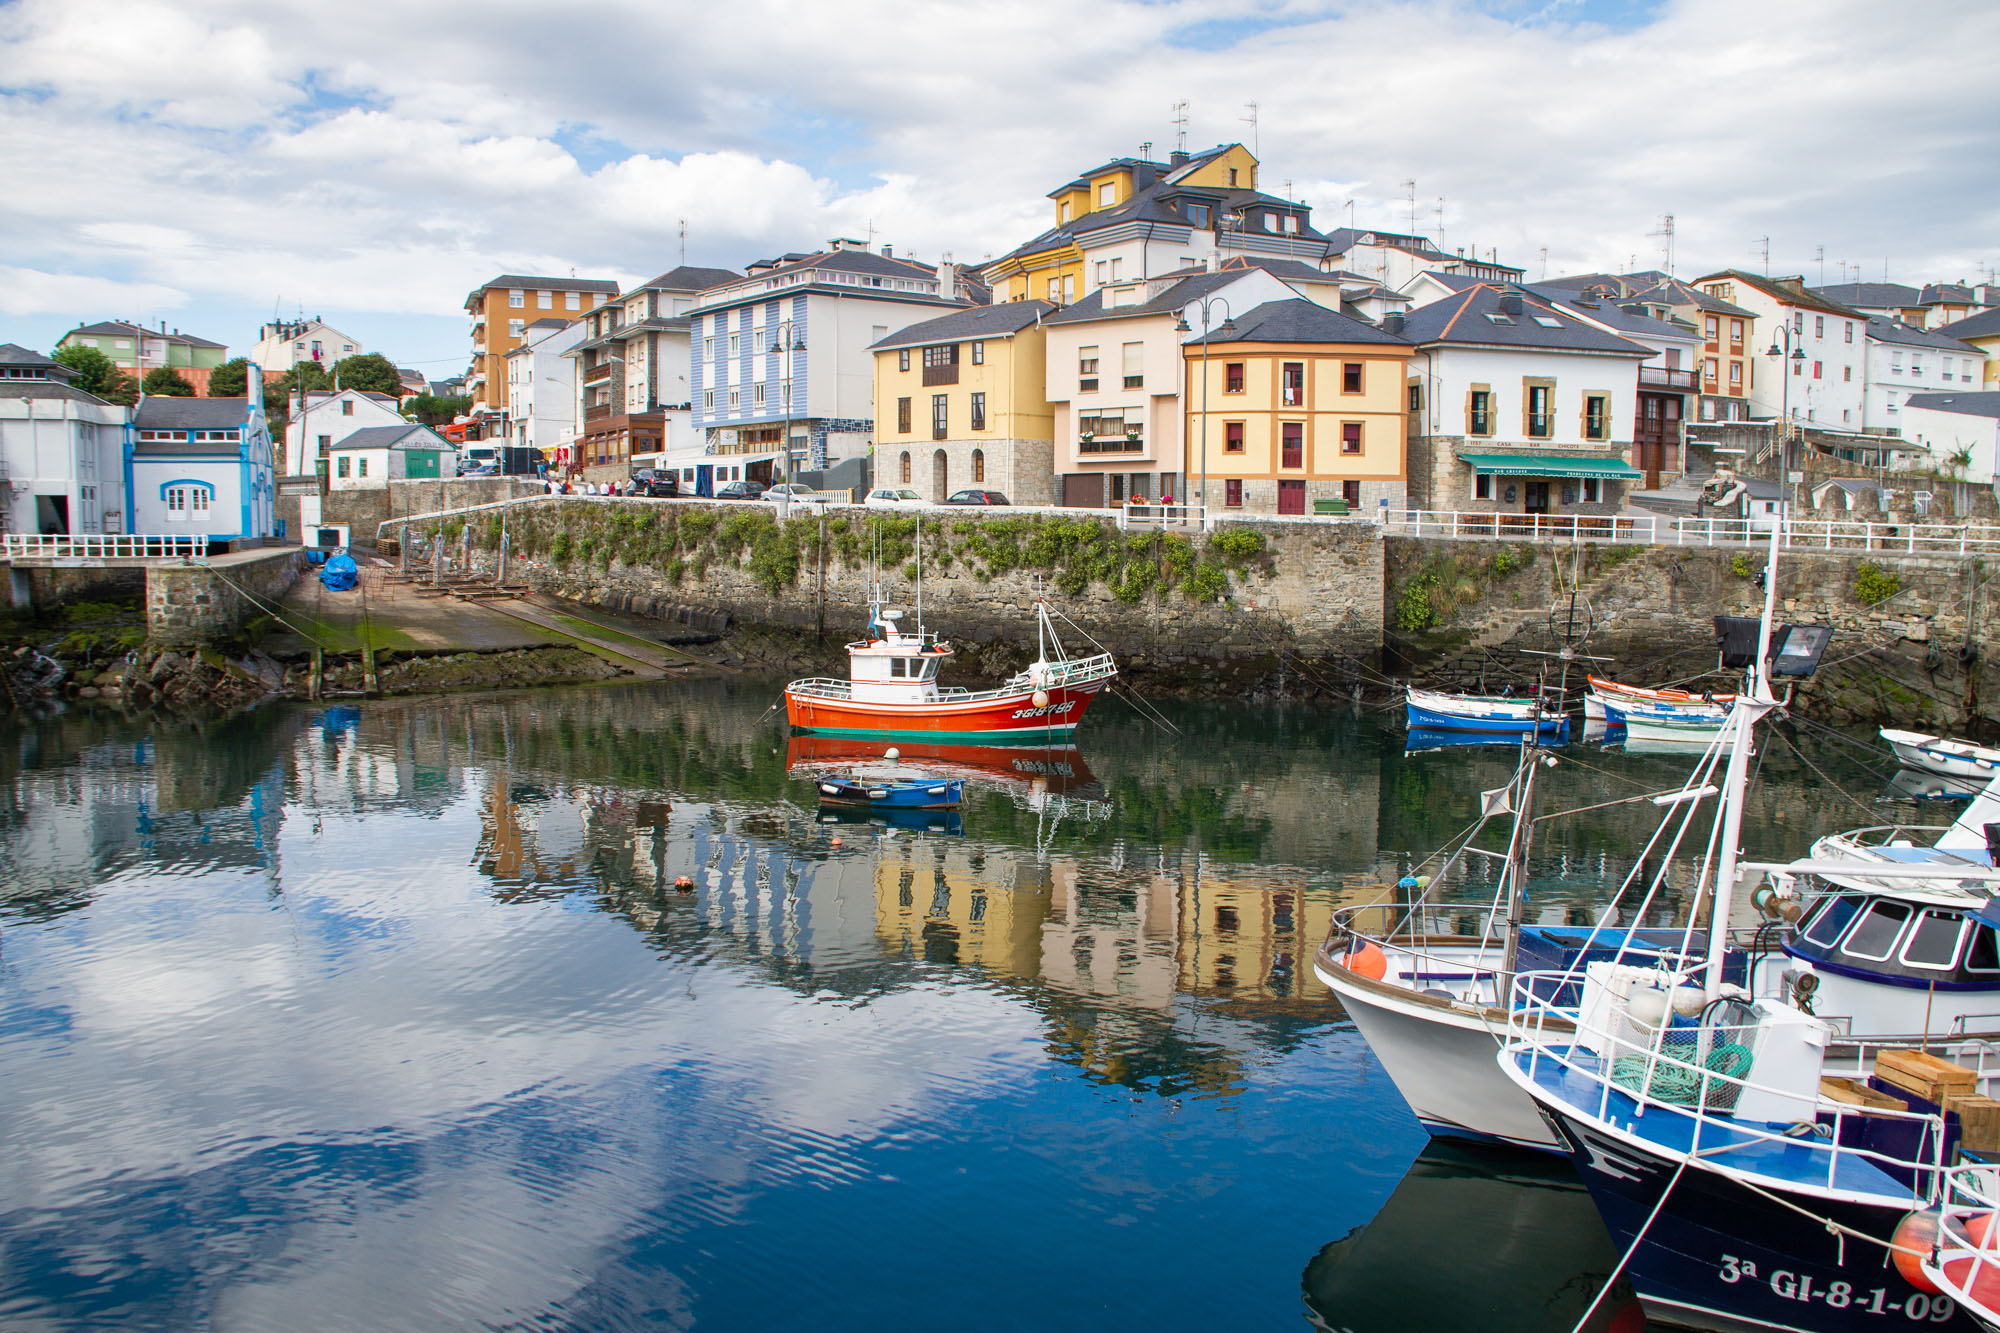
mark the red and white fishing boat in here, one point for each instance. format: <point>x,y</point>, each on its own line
<point>892,690</point>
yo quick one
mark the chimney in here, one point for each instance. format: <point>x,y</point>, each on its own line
<point>1393,324</point>
<point>947,276</point>
<point>1212,260</point>
<point>1510,303</point>
<point>1177,158</point>
<point>887,252</point>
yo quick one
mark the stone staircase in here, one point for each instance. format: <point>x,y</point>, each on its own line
<point>1675,501</point>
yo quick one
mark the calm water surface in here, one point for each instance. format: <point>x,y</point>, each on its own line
<point>393,1017</point>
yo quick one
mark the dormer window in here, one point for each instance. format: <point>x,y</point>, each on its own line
<point>1197,214</point>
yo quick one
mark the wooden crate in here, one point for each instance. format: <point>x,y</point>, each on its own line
<point>1924,1074</point>
<point>1854,1092</point>
<point>1978,1120</point>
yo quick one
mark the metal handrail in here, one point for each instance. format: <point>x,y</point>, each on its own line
<point>1799,534</point>
<point>105,546</point>
<point>1528,1020</point>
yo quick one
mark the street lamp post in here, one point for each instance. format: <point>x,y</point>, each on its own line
<point>786,343</point>
<point>1228,330</point>
<point>1788,358</point>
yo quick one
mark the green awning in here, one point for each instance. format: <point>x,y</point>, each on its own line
<point>1541,465</point>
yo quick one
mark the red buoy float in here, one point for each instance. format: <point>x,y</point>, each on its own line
<point>1367,959</point>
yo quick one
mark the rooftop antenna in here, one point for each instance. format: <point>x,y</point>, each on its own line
<point>1665,231</point>
<point>1288,193</point>
<point>1819,257</point>
<point>1438,210</point>
<point>1764,246</point>
<point>1410,189</point>
<point>684,242</point>
<point>1251,121</point>
<point>1180,126</point>
<point>1545,263</point>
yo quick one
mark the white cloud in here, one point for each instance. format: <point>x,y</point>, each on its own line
<point>27,291</point>
<point>341,164</point>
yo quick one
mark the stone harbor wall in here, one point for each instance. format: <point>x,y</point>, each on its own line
<point>1252,601</point>
<point>193,604</point>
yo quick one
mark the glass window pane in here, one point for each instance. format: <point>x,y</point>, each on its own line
<point>1934,942</point>
<point>1874,935</point>
<point>1833,917</point>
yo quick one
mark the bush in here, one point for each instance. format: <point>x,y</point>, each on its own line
<point>1874,586</point>
<point>1236,545</point>
<point>559,549</point>
<point>1740,566</point>
<point>1415,606</point>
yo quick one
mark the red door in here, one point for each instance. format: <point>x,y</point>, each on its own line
<point>1292,497</point>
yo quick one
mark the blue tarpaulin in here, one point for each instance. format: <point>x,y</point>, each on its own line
<point>340,573</point>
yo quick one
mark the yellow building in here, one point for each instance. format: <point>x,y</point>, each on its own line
<point>961,403</point>
<point>947,901</point>
<point>1133,218</point>
<point>501,311</point>
<point>1982,331</point>
<point>1297,404</point>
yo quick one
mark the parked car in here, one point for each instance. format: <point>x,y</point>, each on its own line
<point>740,490</point>
<point>474,457</point>
<point>481,470</point>
<point>652,481</point>
<point>976,498</point>
<point>890,497</point>
<point>795,492</point>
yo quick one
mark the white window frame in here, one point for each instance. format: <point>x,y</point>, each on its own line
<point>517,300</point>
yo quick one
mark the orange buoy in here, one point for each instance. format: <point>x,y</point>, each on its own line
<point>1913,1238</point>
<point>1368,960</point>
<point>834,843</point>
<point>684,884</point>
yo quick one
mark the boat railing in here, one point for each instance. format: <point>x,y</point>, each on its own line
<point>1965,1260</point>
<point>1657,1079</point>
<point>825,687</point>
<point>1888,835</point>
<point>1079,670</point>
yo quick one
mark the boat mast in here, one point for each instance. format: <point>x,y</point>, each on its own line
<point>1517,865</point>
<point>920,581</point>
<point>1754,701</point>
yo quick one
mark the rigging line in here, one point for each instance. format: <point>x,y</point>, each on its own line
<point>1864,806</point>
<point>1860,747</point>
<point>1605,772</point>
<point>1633,1248</point>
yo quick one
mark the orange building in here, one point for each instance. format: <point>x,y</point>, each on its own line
<point>1299,405</point>
<point>501,311</point>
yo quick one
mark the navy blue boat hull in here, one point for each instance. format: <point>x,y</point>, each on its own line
<point>1720,1256</point>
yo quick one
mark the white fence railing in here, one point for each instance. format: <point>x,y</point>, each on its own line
<point>30,546</point>
<point>1808,534</point>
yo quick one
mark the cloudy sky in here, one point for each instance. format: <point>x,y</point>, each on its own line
<point>209,164</point>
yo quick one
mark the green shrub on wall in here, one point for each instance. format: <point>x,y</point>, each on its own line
<point>1874,586</point>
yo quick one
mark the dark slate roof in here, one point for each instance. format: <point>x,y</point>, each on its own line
<point>689,278</point>
<point>1632,323</point>
<point>46,389</point>
<point>1674,292</point>
<point>1301,321</point>
<point>863,262</point>
<point>13,354</point>
<point>1172,298</point>
<point>1956,293</point>
<point>983,321</point>
<point>410,436</point>
<point>1877,294</point>
<point>546,325</point>
<point>1985,324</point>
<point>156,413</point>
<point>1463,319</point>
<point>526,282</point>
<point>117,328</point>
<point>1784,291</point>
<point>1883,330</point>
<point>1965,404</point>
<point>1287,270</point>
<point>1457,282</point>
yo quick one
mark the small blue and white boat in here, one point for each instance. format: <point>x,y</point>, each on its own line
<point>1490,714</point>
<point>900,793</point>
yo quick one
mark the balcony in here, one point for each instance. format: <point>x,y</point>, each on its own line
<point>939,375</point>
<point>1541,425</point>
<point>600,412</point>
<point>598,373</point>
<point>1660,377</point>
<point>1111,444</point>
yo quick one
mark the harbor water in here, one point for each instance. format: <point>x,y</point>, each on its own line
<point>568,1010</point>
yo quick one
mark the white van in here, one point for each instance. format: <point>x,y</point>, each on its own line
<point>475,456</point>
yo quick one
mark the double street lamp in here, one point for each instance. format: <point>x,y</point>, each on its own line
<point>1790,359</point>
<point>1227,332</point>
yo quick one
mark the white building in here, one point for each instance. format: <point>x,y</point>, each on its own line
<point>782,366</point>
<point>1114,373</point>
<point>285,344</point>
<point>1519,405</point>
<point>323,418</point>
<point>1903,360</point>
<point>370,459</point>
<point>204,466</point>
<point>541,385</point>
<point>62,451</point>
<point>1964,425</point>
<point>1823,344</point>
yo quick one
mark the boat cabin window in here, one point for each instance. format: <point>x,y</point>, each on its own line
<point>1833,917</point>
<point>1874,934</point>
<point>930,668</point>
<point>898,666</point>
<point>1933,943</point>
<point>1984,955</point>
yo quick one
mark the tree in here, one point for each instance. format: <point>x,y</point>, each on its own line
<point>369,372</point>
<point>231,379</point>
<point>435,409</point>
<point>310,376</point>
<point>166,382</point>
<point>123,390</point>
<point>95,372</point>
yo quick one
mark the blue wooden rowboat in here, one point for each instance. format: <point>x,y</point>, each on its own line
<point>913,793</point>
<point>1489,714</point>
